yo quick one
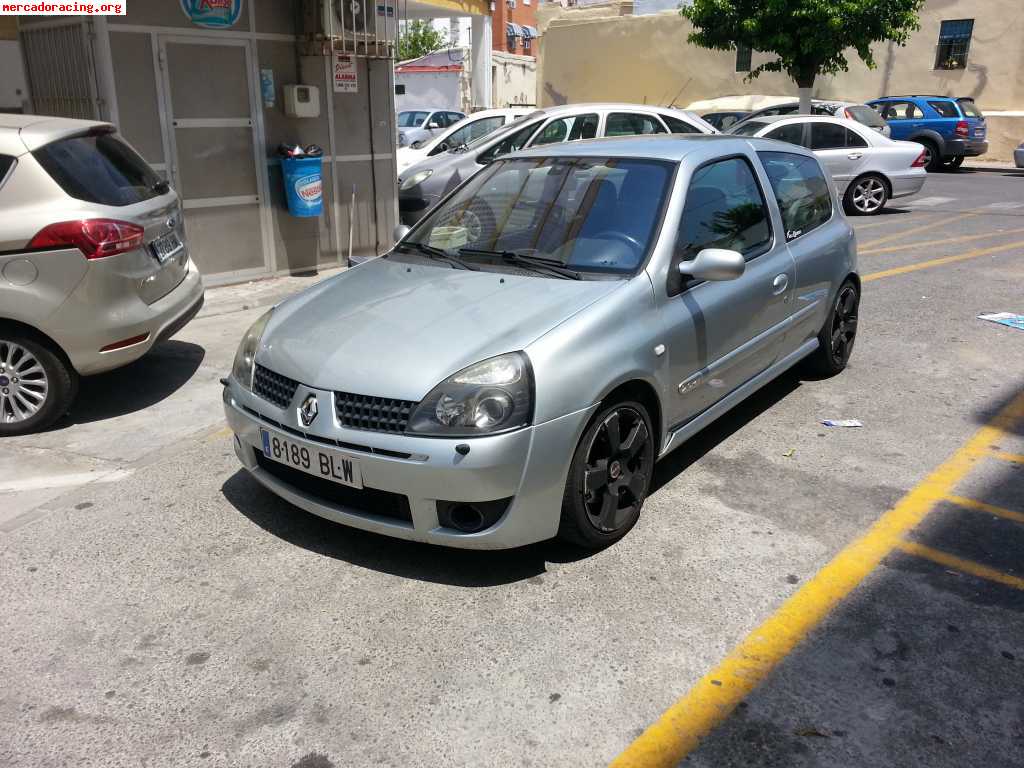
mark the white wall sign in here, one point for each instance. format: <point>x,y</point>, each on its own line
<point>346,77</point>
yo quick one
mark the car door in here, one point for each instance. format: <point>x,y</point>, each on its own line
<point>723,333</point>
<point>805,205</point>
<point>831,142</point>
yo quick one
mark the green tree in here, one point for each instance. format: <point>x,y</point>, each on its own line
<point>808,37</point>
<point>419,39</point>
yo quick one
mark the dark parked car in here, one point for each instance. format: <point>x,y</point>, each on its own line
<point>724,120</point>
<point>948,128</point>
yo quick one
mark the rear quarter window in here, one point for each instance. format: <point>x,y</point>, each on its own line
<point>99,168</point>
<point>969,108</point>
<point>6,167</point>
<point>864,115</point>
<point>945,108</point>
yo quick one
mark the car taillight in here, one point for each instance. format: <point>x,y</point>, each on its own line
<point>95,238</point>
<point>848,114</point>
<point>962,129</point>
<point>921,161</point>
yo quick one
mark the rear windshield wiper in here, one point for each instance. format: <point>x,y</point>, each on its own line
<point>437,253</point>
<point>521,259</point>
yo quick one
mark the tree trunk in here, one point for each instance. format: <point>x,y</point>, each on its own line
<point>805,101</point>
<point>805,82</point>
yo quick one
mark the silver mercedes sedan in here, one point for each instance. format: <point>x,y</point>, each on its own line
<point>514,367</point>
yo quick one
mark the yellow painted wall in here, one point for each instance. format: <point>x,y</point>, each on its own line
<point>594,54</point>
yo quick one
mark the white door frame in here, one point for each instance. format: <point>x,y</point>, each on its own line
<point>254,121</point>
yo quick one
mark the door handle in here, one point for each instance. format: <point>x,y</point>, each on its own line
<point>855,155</point>
<point>779,284</point>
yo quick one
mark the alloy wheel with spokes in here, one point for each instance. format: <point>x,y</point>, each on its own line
<point>609,477</point>
<point>844,324</point>
<point>24,385</point>
<point>868,195</point>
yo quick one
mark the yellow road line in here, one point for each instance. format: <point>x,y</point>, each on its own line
<point>1016,458</point>
<point>938,262</point>
<point>915,230</point>
<point>886,221</point>
<point>947,241</point>
<point>222,432</point>
<point>679,730</point>
<point>959,564</point>
<point>992,509</point>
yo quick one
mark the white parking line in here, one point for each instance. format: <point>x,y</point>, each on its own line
<point>63,481</point>
<point>1003,206</point>
<point>928,202</point>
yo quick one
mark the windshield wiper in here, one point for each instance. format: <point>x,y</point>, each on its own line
<point>524,260</point>
<point>437,253</point>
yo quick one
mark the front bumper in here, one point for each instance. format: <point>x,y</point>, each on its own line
<point>412,207</point>
<point>529,466</point>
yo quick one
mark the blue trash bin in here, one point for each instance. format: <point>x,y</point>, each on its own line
<point>303,185</point>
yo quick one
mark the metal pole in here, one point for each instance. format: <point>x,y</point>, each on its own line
<point>351,216</point>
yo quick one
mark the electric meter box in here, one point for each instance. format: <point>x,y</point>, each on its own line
<point>302,101</point>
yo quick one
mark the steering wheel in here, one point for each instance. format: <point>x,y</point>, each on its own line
<point>611,234</point>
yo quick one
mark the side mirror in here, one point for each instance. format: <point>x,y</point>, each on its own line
<point>417,144</point>
<point>399,232</point>
<point>714,264</point>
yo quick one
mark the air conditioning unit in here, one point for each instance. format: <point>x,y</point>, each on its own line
<point>360,27</point>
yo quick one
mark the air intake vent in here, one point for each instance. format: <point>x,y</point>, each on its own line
<point>377,414</point>
<point>273,387</point>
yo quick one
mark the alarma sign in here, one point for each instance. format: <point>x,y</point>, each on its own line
<point>213,14</point>
<point>346,77</point>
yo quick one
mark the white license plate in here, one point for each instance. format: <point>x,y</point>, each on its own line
<point>330,465</point>
<point>166,246</point>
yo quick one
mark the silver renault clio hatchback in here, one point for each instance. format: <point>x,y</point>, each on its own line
<point>512,370</point>
<point>94,269</point>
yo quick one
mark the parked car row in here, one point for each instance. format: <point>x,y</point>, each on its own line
<point>418,125</point>
<point>949,129</point>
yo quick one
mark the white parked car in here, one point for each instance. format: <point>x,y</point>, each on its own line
<point>476,126</point>
<point>868,168</point>
<point>419,124</point>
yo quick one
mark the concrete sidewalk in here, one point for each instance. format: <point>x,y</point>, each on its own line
<point>259,293</point>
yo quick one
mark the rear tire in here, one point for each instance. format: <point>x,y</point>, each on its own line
<point>609,477</point>
<point>836,338</point>
<point>866,195</point>
<point>37,386</point>
<point>933,160</point>
<point>952,163</point>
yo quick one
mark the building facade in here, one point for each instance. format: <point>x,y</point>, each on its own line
<point>514,27</point>
<point>599,52</point>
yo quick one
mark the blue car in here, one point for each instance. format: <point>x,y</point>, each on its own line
<point>948,128</point>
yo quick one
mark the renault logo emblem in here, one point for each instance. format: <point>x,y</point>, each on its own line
<point>308,410</point>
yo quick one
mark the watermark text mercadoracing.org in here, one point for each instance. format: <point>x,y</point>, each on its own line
<point>55,9</point>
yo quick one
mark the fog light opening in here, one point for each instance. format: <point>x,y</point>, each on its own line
<point>467,518</point>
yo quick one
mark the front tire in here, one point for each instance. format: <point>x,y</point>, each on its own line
<point>866,195</point>
<point>609,477</point>
<point>836,338</point>
<point>36,385</point>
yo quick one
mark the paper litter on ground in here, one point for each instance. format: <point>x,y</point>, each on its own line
<point>842,423</point>
<point>1005,318</point>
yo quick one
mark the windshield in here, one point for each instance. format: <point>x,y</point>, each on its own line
<point>411,119</point>
<point>969,108</point>
<point>747,127</point>
<point>865,116</point>
<point>592,214</point>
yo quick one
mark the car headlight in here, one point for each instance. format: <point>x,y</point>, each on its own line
<point>245,358</point>
<point>495,395</point>
<point>417,178</point>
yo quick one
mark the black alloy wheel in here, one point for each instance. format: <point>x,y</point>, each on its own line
<point>844,324</point>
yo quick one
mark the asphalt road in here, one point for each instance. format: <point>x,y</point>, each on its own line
<point>161,609</point>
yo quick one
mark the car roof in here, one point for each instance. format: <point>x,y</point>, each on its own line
<point>604,106</point>
<point>798,118</point>
<point>21,133</point>
<point>661,146</point>
<point>925,96</point>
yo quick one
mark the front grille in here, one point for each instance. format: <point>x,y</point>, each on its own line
<point>273,387</point>
<point>368,501</point>
<point>377,414</point>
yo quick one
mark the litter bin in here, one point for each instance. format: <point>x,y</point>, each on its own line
<point>303,185</point>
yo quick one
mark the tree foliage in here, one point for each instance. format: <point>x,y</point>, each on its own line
<point>808,37</point>
<point>419,39</point>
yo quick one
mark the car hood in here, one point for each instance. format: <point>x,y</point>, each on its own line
<point>396,329</point>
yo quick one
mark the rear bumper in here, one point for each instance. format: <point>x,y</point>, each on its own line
<point>965,147</point>
<point>528,466</point>
<point>1018,157</point>
<point>909,183</point>
<point>83,330</point>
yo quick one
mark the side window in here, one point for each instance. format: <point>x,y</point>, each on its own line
<point>512,142</point>
<point>454,117</point>
<point>828,136</point>
<point>945,108</point>
<point>800,190</point>
<point>854,139</point>
<point>675,125</point>
<point>724,209</point>
<point>468,133</point>
<point>570,128</point>
<point>631,124</point>
<point>791,134</point>
<point>6,166</point>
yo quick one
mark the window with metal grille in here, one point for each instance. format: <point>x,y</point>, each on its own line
<point>744,54</point>
<point>954,44</point>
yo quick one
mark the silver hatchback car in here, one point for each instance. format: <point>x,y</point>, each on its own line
<point>94,269</point>
<point>514,367</point>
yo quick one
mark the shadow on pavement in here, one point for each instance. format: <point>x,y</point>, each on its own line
<point>921,665</point>
<point>137,386</point>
